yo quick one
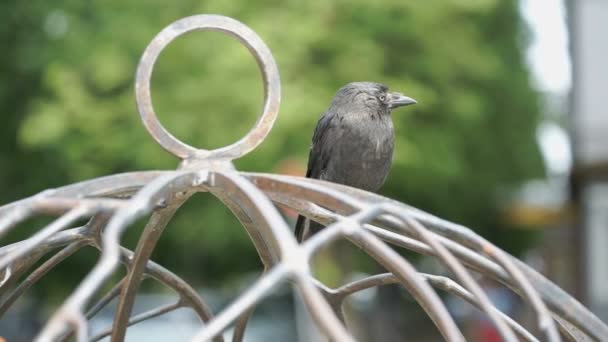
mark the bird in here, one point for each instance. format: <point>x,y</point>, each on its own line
<point>353,141</point>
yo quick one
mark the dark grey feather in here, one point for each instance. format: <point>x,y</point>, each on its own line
<point>353,142</point>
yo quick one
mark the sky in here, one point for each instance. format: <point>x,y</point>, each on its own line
<point>548,54</point>
<point>549,62</point>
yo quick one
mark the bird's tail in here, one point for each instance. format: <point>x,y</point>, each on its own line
<point>299,231</point>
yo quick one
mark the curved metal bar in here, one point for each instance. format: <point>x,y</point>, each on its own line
<point>393,262</point>
<point>321,195</point>
<point>266,63</point>
<point>241,325</point>
<point>105,300</point>
<point>279,239</point>
<point>78,237</point>
<point>122,184</point>
<point>6,275</point>
<point>329,198</point>
<point>266,228</point>
<point>320,310</point>
<point>563,304</point>
<point>19,266</point>
<point>388,258</point>
<point>327,217</point>
<point>54,206</point>
<point>451,262</point>
<point>57,240</point>
<point>254,294</point>
<point>31,243</point>
<point>39,273</point>
<point>343,227</point>
<point>558,300</point>
<point>545,321</point>
<point>444,283</point>
<point>335,303</point>
<point>470,258</point>
<point>187,294</point>
<point>80,326</point>
<point>467,256</point>
<point>143,251</point>
<point>145,200</point>
<point>140,318</point>
<point>453,265</point>
<point>570,332</point>
<point>14,217</point>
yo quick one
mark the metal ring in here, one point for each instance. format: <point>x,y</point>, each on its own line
<point>266,63</point>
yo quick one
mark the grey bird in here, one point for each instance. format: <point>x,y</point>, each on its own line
<point>353,142</point>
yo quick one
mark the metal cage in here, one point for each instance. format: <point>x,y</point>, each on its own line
<point>375,224</point>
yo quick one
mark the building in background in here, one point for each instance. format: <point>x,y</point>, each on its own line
<point>588,21</point>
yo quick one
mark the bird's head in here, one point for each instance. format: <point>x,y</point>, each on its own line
<point>368,97</point>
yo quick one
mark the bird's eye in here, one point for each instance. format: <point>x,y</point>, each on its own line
<point>382,98</point>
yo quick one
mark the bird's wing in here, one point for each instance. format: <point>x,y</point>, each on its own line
<point>318,157</point>
<point>320,151</point>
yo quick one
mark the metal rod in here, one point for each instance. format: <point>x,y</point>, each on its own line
<point>140,318</point>
<point>143,251</point>
<point>440,282</point>
<point>146,199</point>
<point>39,273</point>
<point>260,289</point>
<point>31,243</point>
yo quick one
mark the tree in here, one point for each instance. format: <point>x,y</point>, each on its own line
<point>71,116</point>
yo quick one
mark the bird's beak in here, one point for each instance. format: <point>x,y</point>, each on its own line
<point>400,100</point>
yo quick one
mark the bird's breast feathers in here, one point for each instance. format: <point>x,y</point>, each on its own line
<point>361,154</point>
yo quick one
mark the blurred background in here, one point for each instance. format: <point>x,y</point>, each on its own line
<point>507,138</point>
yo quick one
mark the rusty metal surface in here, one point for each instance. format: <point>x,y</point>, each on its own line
<point>266,63</point>
<point>379,226</point>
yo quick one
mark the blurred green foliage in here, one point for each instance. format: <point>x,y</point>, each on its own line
<point>68,114</point>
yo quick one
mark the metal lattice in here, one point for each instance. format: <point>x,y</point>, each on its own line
<point>375,224</point>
